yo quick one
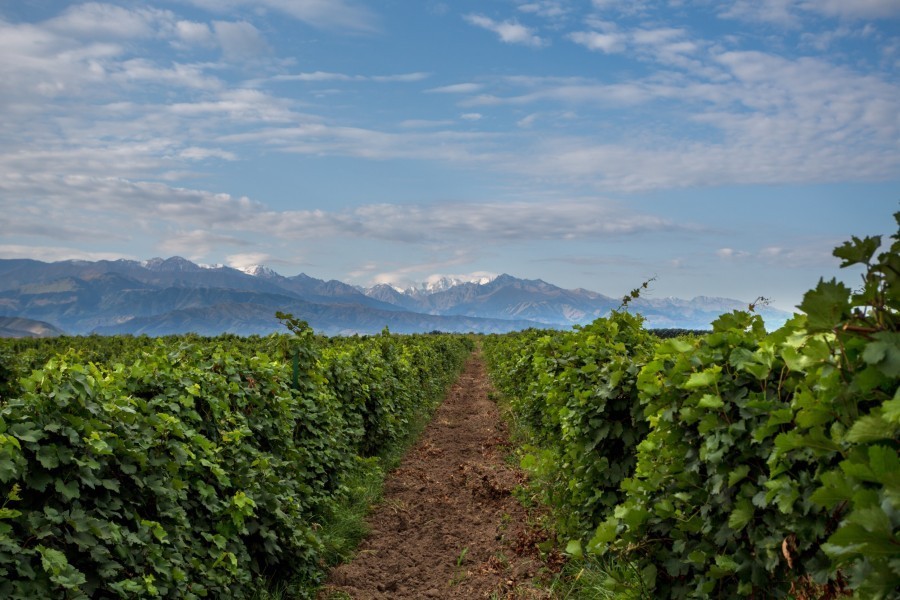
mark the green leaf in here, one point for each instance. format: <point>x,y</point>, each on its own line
<point>57,566</point>
<point>813,415</point>
<point>47,456</point>
<point>891,409</point>
<point>710,401</point>
<point>697,557</point>
<point>9,513</point>
<point>884,353</point>
<point>156,529</point>
<point>858,251</point>
<point>741,357</point>
<point>605,533</point>
<point>737,475</point>
<point>835,488</point>
<point>26,432</point>
<point>724,566</point>
<point>853,538</point>
<point>873,519</point>
<point>704,378</point>
<point>885,465</point>
<point>674,346</point>
<point>741,515</point>
<point>68,490</point>
<point>870,428</point>
<point>573,548</point>
<point>826,306</point>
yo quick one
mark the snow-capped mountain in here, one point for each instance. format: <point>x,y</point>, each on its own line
<point>508,297</point>
<point>440,283</point>
<point>261,271</point>
<point>174,295</point>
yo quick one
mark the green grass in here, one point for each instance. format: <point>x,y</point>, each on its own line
<point>599,579</point>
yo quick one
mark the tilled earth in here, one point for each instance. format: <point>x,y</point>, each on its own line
<point>449,526</point>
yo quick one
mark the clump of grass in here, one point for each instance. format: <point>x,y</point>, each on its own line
<point>599,578</point>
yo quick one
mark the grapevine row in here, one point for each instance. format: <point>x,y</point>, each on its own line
<point>737,463</point>
<point>194,467</point>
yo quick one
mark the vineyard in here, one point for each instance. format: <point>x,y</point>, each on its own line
<point>736,463</point>
<point>189,467</point>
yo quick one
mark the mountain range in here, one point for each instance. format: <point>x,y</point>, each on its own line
<point>174,295</point>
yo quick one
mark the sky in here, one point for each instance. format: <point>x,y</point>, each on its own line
<point>724,148</point>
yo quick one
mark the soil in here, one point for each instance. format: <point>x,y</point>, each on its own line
<point>449,525</point>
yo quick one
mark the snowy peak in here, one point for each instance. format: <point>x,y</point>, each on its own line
<point>261,271</point>
<point>441,283</point>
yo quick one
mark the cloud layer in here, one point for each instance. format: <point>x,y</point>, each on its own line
<point>241,129</point>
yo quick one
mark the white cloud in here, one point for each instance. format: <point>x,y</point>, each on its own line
<point>510,32</point>
<point>731,253</point>
<point>196,244</point>
<point>550,9</point>
<point>606,95</point>
<point>319,76</point>
<point>855,9</point>
<point>779,12</point>
<point>328,14</point>
<point>456,88</point>
<point>321,139</point>
<point>815,254</point>
<point>649,43</point>
<point>142,71</point>
<point>486,222</point>
<point>95,20</point>
<point>471,116</point>
<point>789,13</point>
<point>239,41</point>
<point>196,153</point>
<point>250,259</point>
<point>205,219</point>
<point>528,120</point>
<point>667,45</point>
<point>401,78</point>
<point>593,40</point>
<point>626,7</point>
<point>746,117</point>
<point>38,64</point>
<point>655,37</point>
<point>425,123</point>
<point>190,33</point>
<point>57,253</point>
<point>245,105</point>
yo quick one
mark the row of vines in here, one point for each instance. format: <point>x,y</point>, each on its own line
<point>736,463</point>
<point>190,467</point>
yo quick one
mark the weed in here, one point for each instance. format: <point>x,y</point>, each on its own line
<point>460,573</point>
<point>599,579</point>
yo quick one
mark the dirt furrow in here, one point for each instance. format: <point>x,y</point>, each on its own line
<point>449,526</point>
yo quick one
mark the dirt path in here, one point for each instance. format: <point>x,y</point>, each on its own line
<point>449,526</point>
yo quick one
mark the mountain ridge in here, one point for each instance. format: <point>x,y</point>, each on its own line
<point>176,295</point>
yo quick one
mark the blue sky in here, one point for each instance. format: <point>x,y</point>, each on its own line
<point>723,147</point>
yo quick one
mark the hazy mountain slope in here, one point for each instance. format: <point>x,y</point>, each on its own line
<point>16,327</point>
<point>246,319</point>
<point>175,295</point>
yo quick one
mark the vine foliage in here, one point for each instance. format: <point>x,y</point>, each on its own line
<point>744,463</point>
<point>191,467</point>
